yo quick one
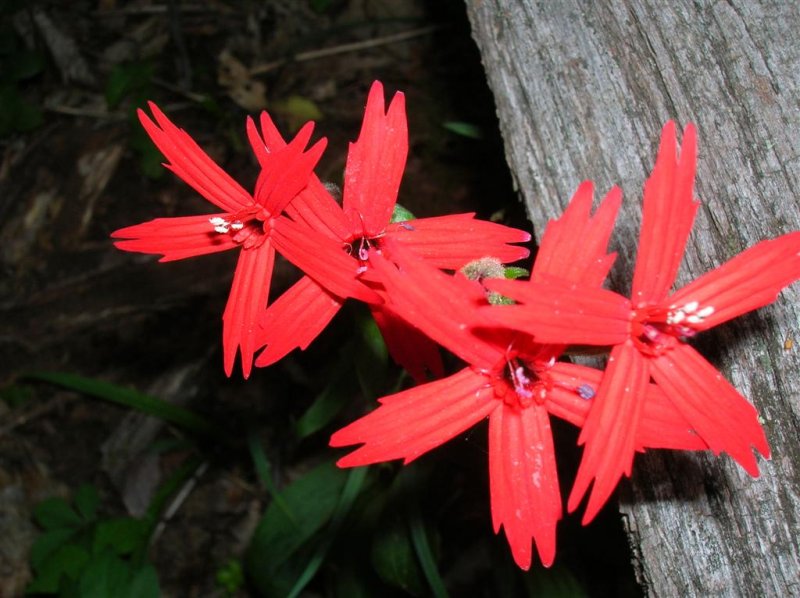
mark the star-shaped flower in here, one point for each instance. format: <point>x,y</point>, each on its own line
<point>247,222</point>
<point>327,241</point>
<point>509,378</point>
<point>648,332</point>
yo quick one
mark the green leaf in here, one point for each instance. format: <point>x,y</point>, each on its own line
<point>513,272</point>
<point>105,575</point>
<point>264,472</point>
<point>422,547</point>
<point>48,542</point>
<point>143,584</point>
<point>230,576</point>
<point>126,79</point>
<point>68,561</point>
<point>127,398</point>
<point>352,487</point>
<point>336,394</point>
<point>14,395</point>
<point>86,500</point>
<point>312,500</point>
<point>150,159</point>
<point>394,559</point>
<point>124,535</point>
<point>400,214</point>
<point>55,513</point>
<point>372,339</point>
<point>371,358</point>
<point>297,110</point>
<point>463,129</point>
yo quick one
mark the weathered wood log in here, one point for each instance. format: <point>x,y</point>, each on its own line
<point>582,90</point>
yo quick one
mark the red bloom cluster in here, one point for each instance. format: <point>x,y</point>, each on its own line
<point>656,391</point>
<point>292,212</point>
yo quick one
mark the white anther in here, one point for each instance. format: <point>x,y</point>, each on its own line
<point>220,225</point>
<point>237,225</point>
<point>705,312</point>
<point>690,307</point>
<point>676,317</point>
<point>695,319</point>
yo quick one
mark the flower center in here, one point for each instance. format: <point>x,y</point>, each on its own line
<point>520,384</point>
<point>656,329</point>
<point>359,248</point>
<point>248,227</point>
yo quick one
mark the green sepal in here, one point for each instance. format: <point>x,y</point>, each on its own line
<point>401,214</point>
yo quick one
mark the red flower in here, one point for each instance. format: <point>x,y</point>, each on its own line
<point>247,222</point>
<point>327,241</point>
<point>648,332</point>
<point>510,379</point>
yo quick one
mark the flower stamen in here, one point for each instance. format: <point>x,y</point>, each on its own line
<point>656,330</point>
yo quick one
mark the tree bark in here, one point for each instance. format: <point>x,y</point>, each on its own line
<point>582,90</point>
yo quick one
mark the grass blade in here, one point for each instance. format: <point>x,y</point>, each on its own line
<point>264,473</point>
<point>349,494</point>
<point>424,553</point>
<point>127,397</point>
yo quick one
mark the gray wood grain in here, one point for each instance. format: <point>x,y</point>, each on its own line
<point>582,90</point>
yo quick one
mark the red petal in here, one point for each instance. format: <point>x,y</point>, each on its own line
<point>661,426</point>
<point>750,280</point>
<point>611,429</point>
<point>287,171</point>
<point>270,139</point>
<point>668,212</point>
<point>452,241</point>
<point>563,399</point>
<point>574,247</point>
<point>313,206</point>
<point>412,422</point>
<point>322,258</point>
<point>411,349</point>
<point>247,299</point>
<point>561,313</point>
<point>664,427</point>
<point>174,238</point>
<point>441,306</point>
<point>294,320</point>
<point>722,417</point>
<point>376,161</point>
<point>193,165</point>
<point>526,500</point>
